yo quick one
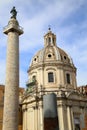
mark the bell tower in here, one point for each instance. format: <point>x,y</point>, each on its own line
<point>11,100</point>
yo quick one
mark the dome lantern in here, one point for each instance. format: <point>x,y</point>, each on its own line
<point>49,38</point>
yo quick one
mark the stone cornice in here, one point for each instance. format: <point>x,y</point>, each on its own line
<point>54,64</point>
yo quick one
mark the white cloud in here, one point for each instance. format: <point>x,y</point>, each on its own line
<point>34,18</point>
<point>34,26</point>
<point>4,2</point>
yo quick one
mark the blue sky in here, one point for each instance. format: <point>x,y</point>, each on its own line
<point>68,20</point>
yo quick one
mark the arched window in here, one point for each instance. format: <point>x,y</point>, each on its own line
<point>49,40</point>
<point>68,78</point>
<point>34,78</point>
<point>50,77</point>
<point>53,40</point>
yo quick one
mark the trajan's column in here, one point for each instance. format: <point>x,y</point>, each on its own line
<point>11,100</point>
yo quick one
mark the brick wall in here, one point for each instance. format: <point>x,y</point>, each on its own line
<point>85,123</point>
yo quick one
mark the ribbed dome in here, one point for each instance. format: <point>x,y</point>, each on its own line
<point>51,53</point>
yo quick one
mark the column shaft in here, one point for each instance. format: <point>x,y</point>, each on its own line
<point>12,83</point>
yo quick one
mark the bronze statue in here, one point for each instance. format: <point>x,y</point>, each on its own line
<point>13,12</point>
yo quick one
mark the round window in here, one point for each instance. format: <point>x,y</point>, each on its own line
<point>65,57</point>
<point>49,55</point>
<point>34,59</point>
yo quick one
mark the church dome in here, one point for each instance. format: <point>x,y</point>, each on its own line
<point>51,53</point>
<point>51,67</point>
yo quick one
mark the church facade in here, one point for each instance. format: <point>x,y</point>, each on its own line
<point>52,72</point>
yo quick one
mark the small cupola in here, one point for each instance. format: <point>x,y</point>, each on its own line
<point>49,38</point>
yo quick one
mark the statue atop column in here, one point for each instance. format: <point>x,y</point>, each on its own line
<point>13,12</point>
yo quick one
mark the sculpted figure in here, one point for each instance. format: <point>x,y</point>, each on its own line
<point>13,12</point>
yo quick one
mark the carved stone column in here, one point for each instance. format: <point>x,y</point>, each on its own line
<point>11,101</point>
